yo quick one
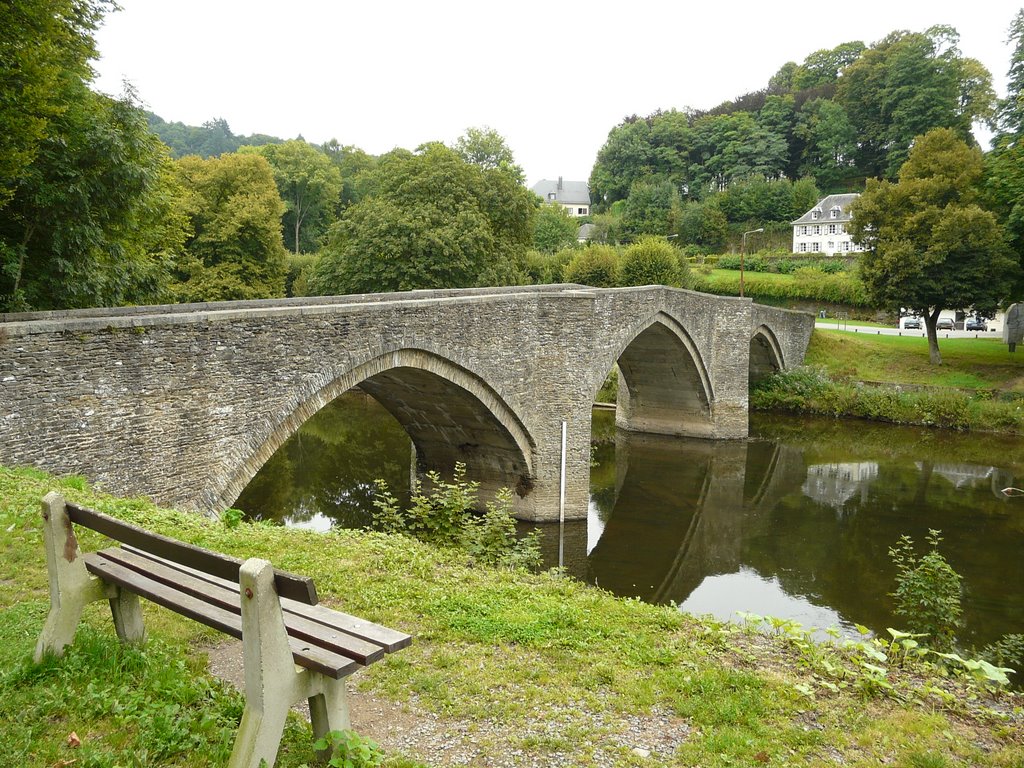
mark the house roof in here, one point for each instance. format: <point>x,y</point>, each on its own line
<point>567,192</point>
<point>825,205</point>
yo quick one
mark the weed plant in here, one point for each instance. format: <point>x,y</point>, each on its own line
<point>443,516</point>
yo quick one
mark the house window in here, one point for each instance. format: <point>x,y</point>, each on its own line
<point>831,247</point>
<point>551,196</point>
<point>815,213</point>
<point>831,229</point>
<point>803,247</point>
<point>816,247</point>
<point>817,229</point>
<point>846,245</point>
<point>582,211</point>
<point>835,212</point>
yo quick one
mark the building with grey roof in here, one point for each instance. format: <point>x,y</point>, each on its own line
<point>574,196</point>
<point>825,228</point>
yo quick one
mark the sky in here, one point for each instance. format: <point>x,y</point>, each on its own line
<point>553,78</point>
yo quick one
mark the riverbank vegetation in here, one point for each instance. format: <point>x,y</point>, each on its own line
<point>538,666</point>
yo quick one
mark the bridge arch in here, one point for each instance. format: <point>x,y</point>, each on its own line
<point>664,386</point>
<point>449,413</point>
<point>766,356</point>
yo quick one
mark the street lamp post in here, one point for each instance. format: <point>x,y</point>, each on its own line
<point>743,250</point>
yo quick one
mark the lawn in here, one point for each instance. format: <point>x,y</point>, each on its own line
<point>983,364</point>
<point>519,669</point>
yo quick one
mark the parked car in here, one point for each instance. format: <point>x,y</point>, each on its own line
<point>944,324</point>
<point>912,323</point>
<point>976,324</point>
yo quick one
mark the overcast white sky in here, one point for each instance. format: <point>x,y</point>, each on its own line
<point>553,78</point>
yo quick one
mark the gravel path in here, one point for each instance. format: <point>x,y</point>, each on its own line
<point>413,731</point>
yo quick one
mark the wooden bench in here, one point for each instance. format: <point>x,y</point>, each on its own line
<point>292,648</point>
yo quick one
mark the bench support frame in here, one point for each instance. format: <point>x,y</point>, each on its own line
<point>273,682</point>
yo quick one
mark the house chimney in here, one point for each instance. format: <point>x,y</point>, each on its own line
<point>559,183</point>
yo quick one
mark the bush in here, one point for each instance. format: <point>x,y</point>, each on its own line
<point>546,268</point>
<point>651,261</point>
<point>595,265</point>
<point>444,517</point>
<point>927,592</point>
<point>299,267</point>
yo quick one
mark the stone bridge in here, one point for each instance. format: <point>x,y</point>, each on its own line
<point>184,403</point>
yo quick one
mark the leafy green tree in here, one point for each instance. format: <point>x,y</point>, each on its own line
<point>651,208</point>
<point>930,245</point>
<point>211,139</point>
<point>904,86</point>
<point>45,47</point>
<point>830,143</point>
<point>234,248</point>
<point>429,220</point>
<point>625,157</point>
<point>353,163</point>
<point>554,228</point>
<point>824,66</point>
<point>92,220</point>
<point>486,148</point>
<point>651,261</point>
<point>310,186</point>
<point>702,224</point>
<point>1004,165</point>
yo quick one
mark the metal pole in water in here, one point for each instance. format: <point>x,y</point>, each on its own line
<point>561,503</point>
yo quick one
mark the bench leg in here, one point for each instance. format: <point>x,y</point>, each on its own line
<point>127,612</point>
<point>272,681</point>
<point>71,585</point>
<point>328,711</point>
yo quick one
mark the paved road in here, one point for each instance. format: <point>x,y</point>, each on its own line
<point>843,325</point>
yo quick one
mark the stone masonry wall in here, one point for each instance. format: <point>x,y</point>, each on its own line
<point>184,404</point>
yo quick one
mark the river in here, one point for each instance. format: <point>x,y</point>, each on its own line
<point>795,522</point>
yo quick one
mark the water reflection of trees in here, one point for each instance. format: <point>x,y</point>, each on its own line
<point>817,511</point>
<point>329,465</point>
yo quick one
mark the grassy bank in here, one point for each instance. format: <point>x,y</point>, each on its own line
<point>979,386</point>
<point>528,670</point>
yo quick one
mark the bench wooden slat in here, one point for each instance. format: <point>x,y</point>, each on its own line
<point>226,596</point>
<point>292,586</point>
<point>305,654</point>
<point>389,639</point>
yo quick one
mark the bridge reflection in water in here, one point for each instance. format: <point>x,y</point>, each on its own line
<point>800,526</point>
<point>794,522</point>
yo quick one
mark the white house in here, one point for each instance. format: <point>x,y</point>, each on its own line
<point>825,228</point>
<point>574,196</point>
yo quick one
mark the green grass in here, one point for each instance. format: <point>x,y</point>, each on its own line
<point>966,363</point>
<point>549,664</point>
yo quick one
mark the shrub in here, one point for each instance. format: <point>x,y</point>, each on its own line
<point>443,516</point>
<point>927,592</point>
<point>651,261</point>
<point>595,265</point>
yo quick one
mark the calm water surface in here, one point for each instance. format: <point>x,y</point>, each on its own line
<point>794,522</point>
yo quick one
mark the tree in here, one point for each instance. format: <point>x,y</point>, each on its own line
<point>830,142</point>
<point>486,148</point>
<point>352,163</point>
<point>310,186</point>
<point>429,220</point>
<point>1004,165</point>
<point>930,245</point>
<point>651,208</point>
<point>233,249</point>
<point>702,224</point>
<point>91,221</point>
<point>554,228</point>
<point>903,87</point>
<point>45,47</point>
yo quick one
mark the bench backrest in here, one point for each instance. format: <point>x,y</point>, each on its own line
<point>289,585</point>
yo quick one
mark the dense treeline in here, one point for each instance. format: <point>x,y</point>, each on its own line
<point>102,203</point>
<point>838,118</point>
